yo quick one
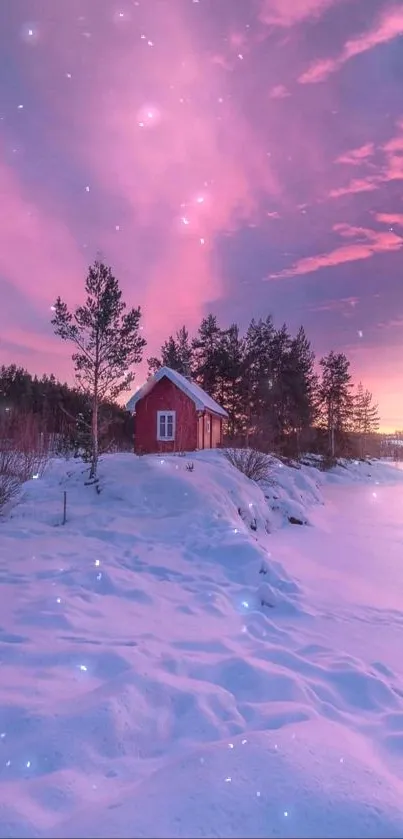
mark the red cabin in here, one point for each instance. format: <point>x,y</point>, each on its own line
<point>174,414</point>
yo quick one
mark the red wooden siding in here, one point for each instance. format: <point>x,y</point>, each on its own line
<point>207,431</point>
<point>165,396</point>
<point>216,432</point>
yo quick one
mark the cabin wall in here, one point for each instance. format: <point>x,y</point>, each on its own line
<point>165,396</point>
<point>207,431</point>
<point>200,431</point>
<point>216,432</point>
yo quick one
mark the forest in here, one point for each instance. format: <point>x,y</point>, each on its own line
<point>277,398</point>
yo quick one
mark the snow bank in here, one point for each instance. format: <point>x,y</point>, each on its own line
<point>156,677</point>
<point>263,785</point>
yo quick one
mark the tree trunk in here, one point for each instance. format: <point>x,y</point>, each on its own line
<point>94,438</point>
<point>94,423</point>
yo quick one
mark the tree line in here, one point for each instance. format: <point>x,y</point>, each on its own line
<point>57,411</point>
<point>268,382</point>
<point>276,397</point>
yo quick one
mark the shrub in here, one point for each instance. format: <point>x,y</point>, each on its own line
<point>252,463</point>
<point>24,453</point>
<point>9,481</point>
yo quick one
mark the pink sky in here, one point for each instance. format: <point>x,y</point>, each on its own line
<point>214,163</point>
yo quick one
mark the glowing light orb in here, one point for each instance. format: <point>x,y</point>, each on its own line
<point>121,17</point>
<point>30,33</point>
<point>148,116</point>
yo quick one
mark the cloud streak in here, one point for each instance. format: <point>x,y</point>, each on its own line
<point>389,170</point>
<point>345,305</point>
<point>356,157</point>
<point>390,218</point>
<point>388,26</point>
<point>286,13</point>
<point>367,244</point>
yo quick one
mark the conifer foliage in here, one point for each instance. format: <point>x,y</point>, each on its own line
<point>176,353</point>
<point>268,382</point>
<point>335,398</point>
<point>365,416</point>
<point>107,340</point>
<point>276,397</point>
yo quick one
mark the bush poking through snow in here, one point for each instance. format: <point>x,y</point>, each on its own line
<point>255,465</point>
<point>24,453</point>
<point>9,482</point>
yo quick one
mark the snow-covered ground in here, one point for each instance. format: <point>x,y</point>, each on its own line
<point>179,660</point>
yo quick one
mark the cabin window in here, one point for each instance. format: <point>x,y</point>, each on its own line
<point>166,421</point>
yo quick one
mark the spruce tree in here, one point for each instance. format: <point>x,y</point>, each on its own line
<point>207,356</point>
<point>107,340</point>
<point>335,397</point>
<point>278,403</point>
<point>176,353</point>
<point>233,380</point>
<point>169,356</point>
<point>259,375</point>
<point>365,416</point>
<point>301,384</point>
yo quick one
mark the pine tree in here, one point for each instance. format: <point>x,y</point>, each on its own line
<point>267,354</point>
<point>259,375</point>
<point>185,352</point>
<point>232,376</point>
<point>335,396</point>
<point>169,357</point>
<point>301,384</point>
<point>207,356</point>
<point>176,353</point>
<point>365,416</point>
<point>278,403</point>
<point>107,342</point>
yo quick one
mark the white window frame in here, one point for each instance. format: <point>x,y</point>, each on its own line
<point>166,414</point>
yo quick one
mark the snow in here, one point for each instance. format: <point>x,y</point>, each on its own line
<point>201,399</point>
<point>179,660</point>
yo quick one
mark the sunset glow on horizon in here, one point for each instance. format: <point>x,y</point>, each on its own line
<point>240,158</point>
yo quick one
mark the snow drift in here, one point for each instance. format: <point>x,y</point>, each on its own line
<point>164,674</point>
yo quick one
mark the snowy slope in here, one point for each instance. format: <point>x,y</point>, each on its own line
<point>163,673</point>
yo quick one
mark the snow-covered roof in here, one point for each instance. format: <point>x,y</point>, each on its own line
<point>201,399</point>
